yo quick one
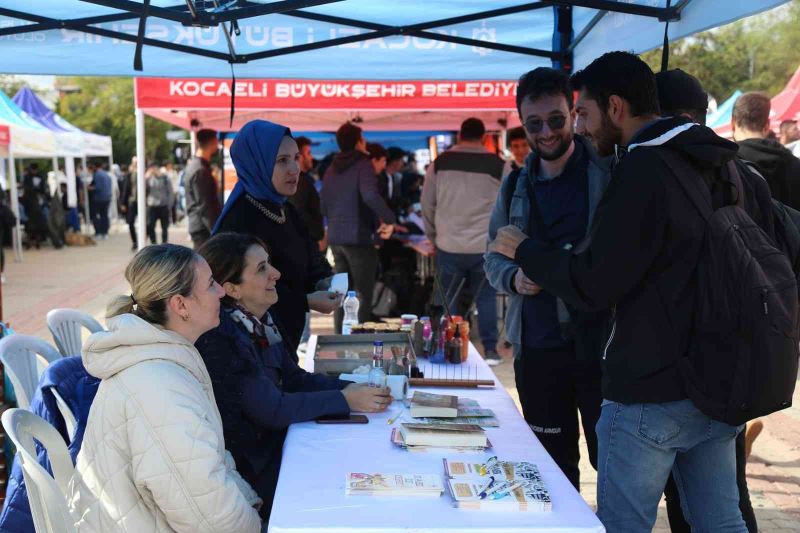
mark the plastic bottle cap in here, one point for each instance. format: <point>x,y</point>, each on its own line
<point>351,293</point>
<point>377,343</point>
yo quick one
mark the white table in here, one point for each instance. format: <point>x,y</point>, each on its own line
<point>310,496</point>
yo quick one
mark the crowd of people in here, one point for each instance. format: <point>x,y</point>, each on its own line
<point>593,230</point>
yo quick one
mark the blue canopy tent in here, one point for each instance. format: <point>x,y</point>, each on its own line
<point>339,39</point>
<point>71,141</point>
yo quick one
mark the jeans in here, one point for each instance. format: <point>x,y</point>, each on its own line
<point>469,267</point>
<point>100,217</point>
<point>553,385</point>
<point>677,522</point>
<point>361,265</point>
<point>155,214</point>
<point>640,444</point>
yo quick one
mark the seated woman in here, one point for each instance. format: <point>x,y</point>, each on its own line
<point>259,388</point>
<point>153,457</point>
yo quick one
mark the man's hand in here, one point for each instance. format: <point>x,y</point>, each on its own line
<point>525,286</point>
<point>507,241</point>
<point>323,301</point>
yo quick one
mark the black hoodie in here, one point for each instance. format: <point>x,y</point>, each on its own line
<point>645,243</point>
<point>779,167</point>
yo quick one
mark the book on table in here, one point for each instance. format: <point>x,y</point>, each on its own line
<point>437,435</point>
<point>424,404</point>
<point>392,484</point>
<point>468,483</point>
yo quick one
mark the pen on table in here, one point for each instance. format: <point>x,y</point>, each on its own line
<point>482,492</point>
<point>503,493</point>
<point>397,415</point>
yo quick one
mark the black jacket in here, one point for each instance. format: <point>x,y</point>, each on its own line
<point>640,262</point>
<point>202,197</point>
<point>260,391</point>
<point>306,201</point>
<point>779,167</point>
<point>293,252</point>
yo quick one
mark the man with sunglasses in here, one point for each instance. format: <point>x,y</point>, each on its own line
<point>553,197</point>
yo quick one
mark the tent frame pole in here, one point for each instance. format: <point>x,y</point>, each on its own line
<point>16,233</point>
<point>87,210</point>
<point>141,200</point>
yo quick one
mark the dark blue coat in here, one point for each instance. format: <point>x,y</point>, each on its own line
<point>260,392</point>
<point>77,388</point>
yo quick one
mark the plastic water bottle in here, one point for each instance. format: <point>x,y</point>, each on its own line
<point>377,375</point>
<point>350,313</point>
<point>427,336</point>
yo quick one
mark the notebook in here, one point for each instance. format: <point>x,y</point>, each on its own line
<point>444,435</point>
<point>466,482</point>
<point>383,484</point>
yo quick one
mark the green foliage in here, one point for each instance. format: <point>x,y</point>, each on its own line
<point>10,85</point>
<point>106,106</point>
<point>756,54</point>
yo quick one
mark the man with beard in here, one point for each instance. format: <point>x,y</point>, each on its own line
<point>457,198</point>
<point>553,198</point>
<point>641,260</point>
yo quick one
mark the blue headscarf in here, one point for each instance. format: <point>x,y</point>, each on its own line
<point>254,152</point>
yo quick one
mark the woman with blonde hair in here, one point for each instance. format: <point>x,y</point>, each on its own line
<point>153,457</point>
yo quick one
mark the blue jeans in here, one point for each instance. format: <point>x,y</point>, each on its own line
<point>469,267</point>
<point>638,446</point>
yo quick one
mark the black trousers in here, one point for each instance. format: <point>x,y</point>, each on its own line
<point>100,217</point>
<point>130,218</point>
<point>678,524</point>
<point>553,385</point>
<point>155,214</point>
<point>361,265</point>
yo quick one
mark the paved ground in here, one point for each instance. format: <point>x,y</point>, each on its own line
<point>86,278</point>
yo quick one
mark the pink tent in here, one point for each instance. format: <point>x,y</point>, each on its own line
<point>785,106</point>
<point>310,105</point>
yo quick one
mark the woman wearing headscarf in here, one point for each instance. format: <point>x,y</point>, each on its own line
<point>266,158</point>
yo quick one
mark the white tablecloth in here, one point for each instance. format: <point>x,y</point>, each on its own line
<point>310,496</point>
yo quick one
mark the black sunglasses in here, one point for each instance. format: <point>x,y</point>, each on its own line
<point>536,125</point>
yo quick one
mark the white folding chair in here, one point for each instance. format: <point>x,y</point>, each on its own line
<point>65,326</point>
<point>47,494</point>
<point>25,358</point>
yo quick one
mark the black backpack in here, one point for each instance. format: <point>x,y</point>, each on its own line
<point>742,357</point>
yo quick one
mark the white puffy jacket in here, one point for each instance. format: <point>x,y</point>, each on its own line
<point>153,457</point>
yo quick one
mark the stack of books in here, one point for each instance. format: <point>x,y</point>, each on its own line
<point>405,485</point>
<point>441,409</point>
<point>424,404</point>
<point>497,485</point>
<point>463,437</point>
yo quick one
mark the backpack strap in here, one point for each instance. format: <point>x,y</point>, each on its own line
<point>690,181</point>
<point>511,186</point>
<point>736,179</point>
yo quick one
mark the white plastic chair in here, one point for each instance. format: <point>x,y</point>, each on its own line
<point>47,494</point>
<point>25,358</point>
<point>65,326</point>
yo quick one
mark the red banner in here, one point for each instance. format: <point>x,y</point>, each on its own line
<point>5,136</point>
<point>196,94</point>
